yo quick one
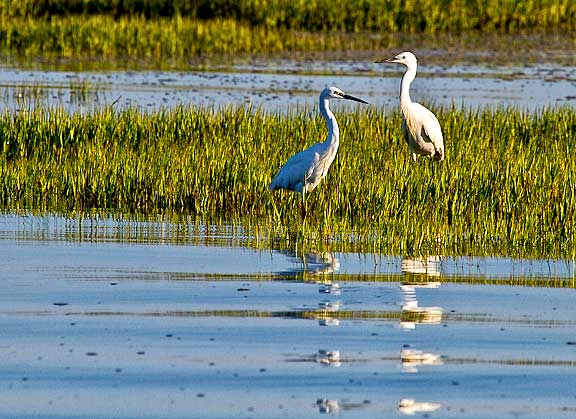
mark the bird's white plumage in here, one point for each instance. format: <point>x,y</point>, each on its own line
<point>420,126</point>
<point>304,170</point>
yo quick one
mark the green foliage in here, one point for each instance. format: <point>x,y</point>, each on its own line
<point>315,15</point>
<point>137,37</point>
<point>508,178</point>
<point>164,29</point>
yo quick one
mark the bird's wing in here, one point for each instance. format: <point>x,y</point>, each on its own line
<point>431,130</point>
<point>296,170</point>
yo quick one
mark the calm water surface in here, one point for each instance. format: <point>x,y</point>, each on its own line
<point>105,318</point>
<point>285,85</point>
<point>475,70</point>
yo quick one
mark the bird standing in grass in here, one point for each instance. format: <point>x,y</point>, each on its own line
<point>304,170</point>
<point>420,127</point>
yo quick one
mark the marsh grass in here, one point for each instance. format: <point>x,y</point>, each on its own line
<point>319,15</point>
<point>82,91</point>
<point>95,36</point>
<point>251,28</point>
<point>30,92</point>
<point>508,180</point>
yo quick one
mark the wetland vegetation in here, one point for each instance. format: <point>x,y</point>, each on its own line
<point>350,16</point>
<point>162,30</point>
<point>507,181</point>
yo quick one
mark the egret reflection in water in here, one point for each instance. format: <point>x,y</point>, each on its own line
<point>328,308</point>
<point>326,357</point>
<point>312,263</point>
<point>413,358</point>
<point>426,265</point>
<point>318,265</point>
<point>412,407</point>
<point>328,406</point>
<point>412,312</point>
<point>329,321</point>
<point>423,268</point>
<point>335,406</point>
<point>331,306</point>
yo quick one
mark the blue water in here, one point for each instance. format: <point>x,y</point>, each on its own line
<point>287,87</point>
<point>103,318</point>
<point>100,246</point>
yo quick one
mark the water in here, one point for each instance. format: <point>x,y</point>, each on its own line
<point>475,70</point>
<point>102,317</point>
<point>187,250</point>
<point>287,86</point>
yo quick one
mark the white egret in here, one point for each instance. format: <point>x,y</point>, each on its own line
<point>304,170</point>
<point>420,127</point>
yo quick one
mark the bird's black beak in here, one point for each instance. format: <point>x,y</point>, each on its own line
<point>385,60</point>
<point>345,96</point>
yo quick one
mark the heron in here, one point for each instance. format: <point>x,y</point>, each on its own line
<point>304,170</point>
<point>420,126</point>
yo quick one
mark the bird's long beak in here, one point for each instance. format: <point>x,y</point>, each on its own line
<point>385,60</point>
<point>345,96</point>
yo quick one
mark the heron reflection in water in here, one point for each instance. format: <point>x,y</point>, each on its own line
<point>412,407</point>
<point>335,406</point>
<point>313,263</point>
<point>423,265</point>
<point>413,358</point>
<point>412,313</point>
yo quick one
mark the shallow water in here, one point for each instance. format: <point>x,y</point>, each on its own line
<point>187,250</point>
<point>107,318</point>
<point>471,69</point>
<point>288,85</point>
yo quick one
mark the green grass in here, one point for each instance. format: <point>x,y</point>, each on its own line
<point>176,38</point>
<point>508,181</point>
<point>317,15</point>
<point>159,30</point>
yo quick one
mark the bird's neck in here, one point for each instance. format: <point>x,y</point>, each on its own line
<point>407,80</point>
<point>333,129</point>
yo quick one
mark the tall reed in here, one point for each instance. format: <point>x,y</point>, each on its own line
<point>136,37</point>
<point>508,177</point>
<point>317,15</point>
<point>181,38</point>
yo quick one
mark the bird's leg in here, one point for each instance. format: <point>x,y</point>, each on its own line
<point>303,206</point>
<point>411,147</point>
